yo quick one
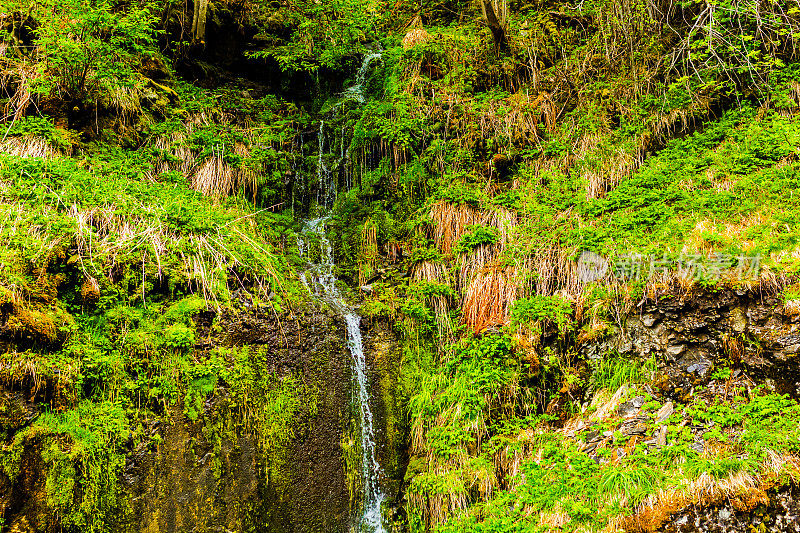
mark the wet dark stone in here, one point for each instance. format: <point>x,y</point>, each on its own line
<point>780,515</point>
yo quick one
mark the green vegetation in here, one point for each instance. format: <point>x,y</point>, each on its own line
<point>157,159</point>
<point>614,371</point>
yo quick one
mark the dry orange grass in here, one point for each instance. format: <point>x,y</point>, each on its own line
<point>489,298</point>
<point>450,222</point>
<point>369,251</point>
<point>614,170</point>
<point>415,37</point>
<point>744,491</point>
<point>733,346</point>
<point>435,272</point>
<point>477,280</point>
<point>554,269</point>
<point>516,117</point>
<point>212,176</point>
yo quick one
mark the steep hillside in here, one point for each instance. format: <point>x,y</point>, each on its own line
<point>566,231</point>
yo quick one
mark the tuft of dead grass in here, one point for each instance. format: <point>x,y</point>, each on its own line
<point>368,258</point>
<point>436,272</point>
<point>744,491</point>
<point>791,307</point>
<point>30,146</point>
<point>415,37</point>
<point>621,163</point>
<point>16,80</point>
<point>489,297</point>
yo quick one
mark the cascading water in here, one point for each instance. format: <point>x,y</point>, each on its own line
<point>356,91</point>
<point>321,282</point>
<point>326,194</point>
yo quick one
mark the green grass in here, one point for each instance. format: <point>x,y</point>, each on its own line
<point>556,477</point>
<point>614,370</point>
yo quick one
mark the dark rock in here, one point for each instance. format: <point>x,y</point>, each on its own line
<point>16,411</point>
<point>779,512</point>
<point>638,428</point>
<point>629,408</point>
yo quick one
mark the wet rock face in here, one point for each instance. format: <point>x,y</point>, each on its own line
<point>22,500</point>
<point>781,514</point>
<point>692,335</point>
<point>187,484</point>
<point>16,411</point>
<point>211,475</point>
<point>384,356</point>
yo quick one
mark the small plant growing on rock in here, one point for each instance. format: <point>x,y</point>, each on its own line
<point>791,300</point>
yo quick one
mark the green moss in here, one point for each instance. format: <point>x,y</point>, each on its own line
<point>352,455</point>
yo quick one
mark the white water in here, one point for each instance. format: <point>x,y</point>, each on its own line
<point>326,194</point>
<point>356,91</point>
<point>322,282</point>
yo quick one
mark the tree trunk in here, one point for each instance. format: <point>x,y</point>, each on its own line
<point>199,20</point>
<point>495,15</point>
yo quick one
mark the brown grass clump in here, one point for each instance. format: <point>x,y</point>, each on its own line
<point>30,146</point>
<point>745,491</point>
<point>415,37</point>
<point>450,222</point>
<point>435,272</point>
<point>174,145</point>
<point>733,347</point>
<point>489,298</point>
<point>487,290</point>
<point>553,269</point>
<point>16,81</point>
<point>791,307</point>
<point>595,330</point>
<point>125,99</point>
<point>212,176</point>
<point>516,117</point>
<point>615,169</point>
<point>368,258</point>
<point>699,240</point>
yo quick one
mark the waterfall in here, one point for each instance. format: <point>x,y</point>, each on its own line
<point>326,179</point>
<point>326,194</point>
<point>356,91</point>
<point>320,280</point>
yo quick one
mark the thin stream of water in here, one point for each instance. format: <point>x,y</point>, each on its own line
<point>321,282</point>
